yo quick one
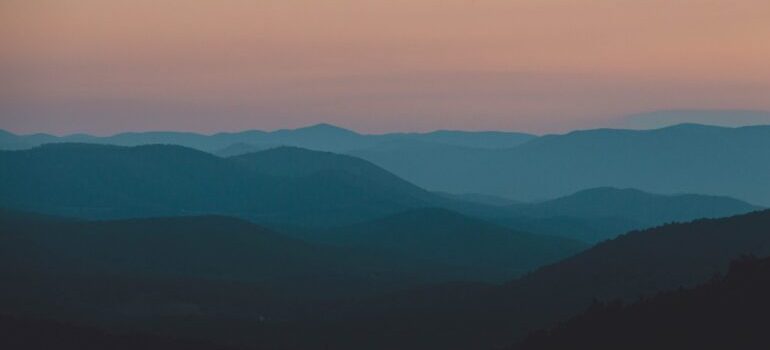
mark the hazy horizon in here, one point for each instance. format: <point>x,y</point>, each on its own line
<point>630,122</point>
<point>376,66</point>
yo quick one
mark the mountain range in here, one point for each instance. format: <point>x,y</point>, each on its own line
<point>229,279</point>
<point>679,159</point>
<point>322,137</point>
<point>305,189</point>
<point>661,119</point>
<point>685,158</point>
<point>258,247</point>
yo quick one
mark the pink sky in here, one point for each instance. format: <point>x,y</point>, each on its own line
<point>531,65</point>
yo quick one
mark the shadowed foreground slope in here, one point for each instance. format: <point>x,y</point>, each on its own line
<point>726,313</point>
<point>633,265</point>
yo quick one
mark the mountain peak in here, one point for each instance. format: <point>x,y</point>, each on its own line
<point>727,118</point>
<point>326,127</point>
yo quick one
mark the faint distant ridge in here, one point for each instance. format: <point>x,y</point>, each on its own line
<point>321,137</point>
<point>726,118</point>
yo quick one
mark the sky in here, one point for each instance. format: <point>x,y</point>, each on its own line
<point>374,66</point>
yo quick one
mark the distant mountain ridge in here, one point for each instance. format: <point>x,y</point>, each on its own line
<point>660,119</point>
<point>203,247</point>
<point>686,158</point>
<point>322,137</point>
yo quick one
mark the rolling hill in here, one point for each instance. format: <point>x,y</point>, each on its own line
<point>723,313</point>
<point>597,214</point>
<point>643,207</point>
<point>289,185</point>
<point>450,238</point>
<point>601,213</point>
<point>686,158</point>
<point>202,247</point>
<point>148,275</point>
<point>278,185</point>
<point>640,263</point>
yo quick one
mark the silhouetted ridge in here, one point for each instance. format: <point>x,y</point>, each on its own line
<point>21,333</point>
<point>724,313</point>
<point>210,250</point>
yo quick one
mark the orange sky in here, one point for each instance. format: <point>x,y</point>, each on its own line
<point>534,65</point>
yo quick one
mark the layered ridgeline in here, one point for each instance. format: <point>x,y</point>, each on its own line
<point>149,274</point>
<point>680,159</point>
<point>203,248</point>
<point>597,214</point>
<point>299,187</point>
<point>447,237</point>
<point>278,185</point>
<point>685,158</point>
<point>237,283</point>
<point>637,264</point>
<point>322,137</point>
<point>139,272</point>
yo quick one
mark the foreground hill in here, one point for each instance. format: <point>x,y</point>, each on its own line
<point>450,238</point>
<point>90,268</point>
<point>639,206</point>
<point>633,265</point>
<point>725,313</point>
<point>20,333</point>
<point>689,158</point>
<point>203,247</point>
<point>207,277</point>
<point>279,185</point>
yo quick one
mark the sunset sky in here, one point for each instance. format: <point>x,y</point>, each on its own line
<point>104,66</point>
